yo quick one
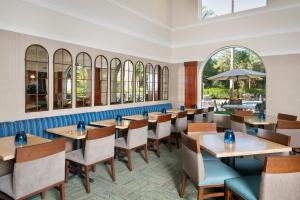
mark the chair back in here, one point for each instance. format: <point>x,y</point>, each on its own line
<point>210,114</point>
<point>243,113</point>
<point>198,115</point>
<point>181,122</point>
<point>281,178</point>
<point>163,127</point>
<point>99,144</point>
<point>137,133</point>
<point>291,128</point>
<point>282,116</point>
<point>275,137</point>
<point>38,167</point>
<point>192,161</point>
<point>201,128</point>
<point>238,123</point>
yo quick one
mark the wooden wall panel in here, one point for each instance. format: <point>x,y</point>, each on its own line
<point>190,77</point>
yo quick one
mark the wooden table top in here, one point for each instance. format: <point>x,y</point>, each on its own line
<point>69,131</point>
<point>245,145</point>
<point>111,122</point>
<point>8,147</point>
<point>254,120</point>
<point>190,111</point>
<point>151,118</point>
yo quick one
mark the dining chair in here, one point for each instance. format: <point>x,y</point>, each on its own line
<point>238,123</point>
<point>180,125</point>
<point>196,129</point>
<point>162,131</point>
<point>291,128</point>
<point>243,113</point>
<point>279,180</point>
<point>205,174</point>
<point>99,147</point>
<point>198,116</point>
<point>210,114</point>
<point>37,168</point>
<point>136,138</point>
<point>282,116</point>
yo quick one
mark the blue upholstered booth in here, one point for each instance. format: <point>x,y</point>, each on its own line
<point>39,125</point>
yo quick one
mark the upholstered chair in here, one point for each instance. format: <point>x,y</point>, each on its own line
<point>136,138</point>
<point>162,131</point>
<point>290,128</point>
<point>243,113</point>
<point>198,116</point>
<point>210,114</point>
<point>238,123</point>
<point>99,147</point>
<point>279,180</point>
<point>37,168</point>
<point>203,173</point>
<point>179,126</point>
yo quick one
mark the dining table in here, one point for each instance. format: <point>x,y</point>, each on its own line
<point>244,145</point>
<point>260,122</point>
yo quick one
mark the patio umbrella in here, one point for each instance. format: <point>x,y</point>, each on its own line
<point>237,74</point>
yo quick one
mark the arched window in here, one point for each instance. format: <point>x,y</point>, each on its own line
<point>83,80</point>
<point>115,81</point>
<point>139,82</point>
<point>101,80</point>
<point>165,83</point>
<point>157,83</point>
<point>128,82</point>
<point>62,79</point>
<point>250,87</point>
<point>36,76</point>
<point>149,80</point>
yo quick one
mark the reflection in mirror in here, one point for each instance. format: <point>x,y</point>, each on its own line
<point>62,79</point>
<point>165,83</point>
<point>128,83</point>
<point>139,82</point>
<point>83,80</point>
<point>115,81</point>
<point>101,80</point>
<point>157,83</point>
<point>36,78</point>
<point>149,79</point>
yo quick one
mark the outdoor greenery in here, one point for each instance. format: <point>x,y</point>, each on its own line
<point>221,62</point>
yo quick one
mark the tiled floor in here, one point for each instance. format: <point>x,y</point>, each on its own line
<point>157,180</point>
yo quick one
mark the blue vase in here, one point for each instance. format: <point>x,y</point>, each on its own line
<point>181,108</point>
<point>119,119</point>
<point>21,138</point>
<point>229,137</point>
<point>145,114</point>
<point>81,126</point>
<point>261,115</point>
<point>163,111</point>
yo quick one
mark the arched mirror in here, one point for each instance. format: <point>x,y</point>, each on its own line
<point>115,81</point>
<point>101,80</point>
<point>165,83</point>
<point>83,80</point>
<point>128,82</point>
<point>139,82</point>
<point>149,81</point>
<point>62,79</point>
<point>36,78</point>
<point>157,83</point>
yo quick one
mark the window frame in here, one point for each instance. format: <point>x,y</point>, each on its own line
<point>132,81</point>
<point>26,66</point>
<point>71,67</point>
<point>100,80</point>
<point>110,82</point>
<point>91,80</point>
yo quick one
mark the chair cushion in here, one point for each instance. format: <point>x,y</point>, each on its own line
<point>121,143</point>
<point>76,156</point>
<point>249,166</point>
<point>6,185</point>
<point>216,173</point>
<point>247,187</point>
<point>208,156</point>
<point>151,134</point>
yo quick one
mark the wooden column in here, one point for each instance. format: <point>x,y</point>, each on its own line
<point>190,77</point>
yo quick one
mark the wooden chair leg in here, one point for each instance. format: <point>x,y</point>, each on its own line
<point>170,143</point>
<point>62,191</point>
<point>94,168</point>
<point>228,194</point>
<point>146,153</point>
<point>87,179</point>
<point>66,171</point>
<point>177,140</point>
<point>113,172</point>
<point>42,195</point>
<point>183,185</point>
<point>200,193</point>
<point>129,159</point>
<point>157,148</point>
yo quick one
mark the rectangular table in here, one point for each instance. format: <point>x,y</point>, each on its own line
<point>111,122</point>
<point>189,111</point>
<point>8,147</point>
<point>255,121</point>
<point>245,145</point>
<point>69,132</point>
<point>152,117</point>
